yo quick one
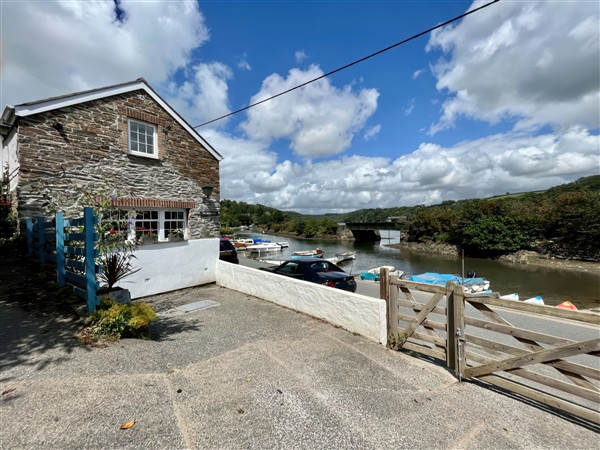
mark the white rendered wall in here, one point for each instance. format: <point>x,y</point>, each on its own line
<point>172,265</point>
<point>8,159</point>
<point>353,312</point>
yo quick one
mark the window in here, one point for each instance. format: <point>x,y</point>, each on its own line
<point>161,225</point>
<point>142,139</point>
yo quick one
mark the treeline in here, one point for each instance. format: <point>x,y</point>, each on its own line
<point>236,214</point>
<point>562,221</point>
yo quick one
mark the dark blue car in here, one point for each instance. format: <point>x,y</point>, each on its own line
<point>315,271</point>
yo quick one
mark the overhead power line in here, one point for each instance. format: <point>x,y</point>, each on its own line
<point>429,30</point>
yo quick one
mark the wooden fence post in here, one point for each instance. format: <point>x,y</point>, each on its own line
<point>29,225</point>
<point>459,317</point>
<point>59,221</point>
<point>90,261</point>
<point>451,347</point>
<point>384,293</point>
<point>392,306</point>
<point>42,240</point>
<point>455,309</point>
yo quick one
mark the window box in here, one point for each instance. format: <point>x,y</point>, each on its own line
<point>160,225</point>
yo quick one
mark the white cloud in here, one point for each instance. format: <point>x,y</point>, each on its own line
<point>409,108</point>
<point>418,73</point>
<point>319,119</point>
<point>243,64</point>
<point>484,167</point>
<point>204,95</point>
<point>537,62</point>
<point>372,132</point>
<point>54,48</point>
<point>300,56</point>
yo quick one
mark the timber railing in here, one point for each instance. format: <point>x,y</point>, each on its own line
<point>547,354</point>
<point>70,245</point>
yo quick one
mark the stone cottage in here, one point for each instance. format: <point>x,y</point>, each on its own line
<point>126,143</point>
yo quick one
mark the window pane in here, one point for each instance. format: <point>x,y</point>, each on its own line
<point>142,148</point>
<point>150,139</point>
<point>134,126</point>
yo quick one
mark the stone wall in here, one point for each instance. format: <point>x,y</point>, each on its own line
<point>88,156</point>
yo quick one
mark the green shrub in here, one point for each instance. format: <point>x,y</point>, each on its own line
<point>117,320</point>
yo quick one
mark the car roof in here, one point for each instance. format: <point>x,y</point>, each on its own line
<point>306,259</point>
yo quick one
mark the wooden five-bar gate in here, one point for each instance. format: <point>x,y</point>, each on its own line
<point>544,353</point>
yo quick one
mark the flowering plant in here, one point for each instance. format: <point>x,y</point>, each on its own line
<point>116,251</point>
<point>177,233</point>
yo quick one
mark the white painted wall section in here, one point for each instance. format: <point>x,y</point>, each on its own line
<point>172,265</point>
<point>9,163</point>
<point>353,312</point>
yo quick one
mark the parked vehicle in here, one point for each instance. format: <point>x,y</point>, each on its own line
<point>315,271</point>
<point>227,251</point>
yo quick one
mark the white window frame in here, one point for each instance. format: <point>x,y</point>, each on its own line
<point>161,222</point>
<point>154,154</point>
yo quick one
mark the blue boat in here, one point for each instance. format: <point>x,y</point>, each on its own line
<point>473,284</point>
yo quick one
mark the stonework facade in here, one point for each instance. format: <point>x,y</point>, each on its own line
<point>82,149</point>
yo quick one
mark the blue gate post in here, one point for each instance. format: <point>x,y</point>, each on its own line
<point>60,249</point>
<point>29,223</point>
<point>42,240</point>
<point>90,260</point>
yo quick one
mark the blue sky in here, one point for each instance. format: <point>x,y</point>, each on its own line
<point>506,100</point>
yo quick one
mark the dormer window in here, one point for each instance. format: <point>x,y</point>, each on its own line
<point>142,139</point>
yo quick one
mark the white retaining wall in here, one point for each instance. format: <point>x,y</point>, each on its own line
<point>172,265</point>
<point>353,312</point>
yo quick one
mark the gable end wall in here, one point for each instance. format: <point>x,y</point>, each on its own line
<point>90,155</point>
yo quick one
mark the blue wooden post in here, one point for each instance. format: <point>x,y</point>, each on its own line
<point>60,249</point>
<point>90,261</point>
<point>42,240</point>
<point>29,223</point>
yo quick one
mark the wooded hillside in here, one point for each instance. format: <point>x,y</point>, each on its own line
<point>562,221</point>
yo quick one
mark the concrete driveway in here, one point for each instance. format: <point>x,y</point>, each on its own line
<point>246,374</point>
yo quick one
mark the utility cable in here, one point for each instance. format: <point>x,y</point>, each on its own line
<point>352,63</point>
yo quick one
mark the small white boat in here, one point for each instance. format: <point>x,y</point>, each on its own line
<point>537,300</point>
<point>345,256</point>
<point>514,297</point>
<point>264,247</point>
<point>316,253</point>
<point>375,273</point>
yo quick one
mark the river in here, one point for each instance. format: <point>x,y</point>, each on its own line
<point>554,285</point>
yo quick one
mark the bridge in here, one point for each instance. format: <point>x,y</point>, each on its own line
<point>369,231</point>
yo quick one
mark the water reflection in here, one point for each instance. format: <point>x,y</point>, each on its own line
<point>554,285</point>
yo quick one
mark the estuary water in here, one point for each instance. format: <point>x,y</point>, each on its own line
<point>554,285</point>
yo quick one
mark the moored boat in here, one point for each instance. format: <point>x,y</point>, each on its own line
<point>470,285</point>
<point>345,256</point>
<point>316,253</point>
<point>375,273</point>
<point>264,247</point>
<point>537,300</point>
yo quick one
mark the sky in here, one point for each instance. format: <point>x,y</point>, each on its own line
<point>504,100</point>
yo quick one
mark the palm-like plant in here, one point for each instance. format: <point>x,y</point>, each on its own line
<point>116,266</point>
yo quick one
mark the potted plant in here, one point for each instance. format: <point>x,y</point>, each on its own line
<point>116,265</point>
<point>148,237</point>
<point>116,255</point>
<point>176,235</point>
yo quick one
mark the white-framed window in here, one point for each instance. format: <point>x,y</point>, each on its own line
<point>159,224</point>
<point>142,139</point>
